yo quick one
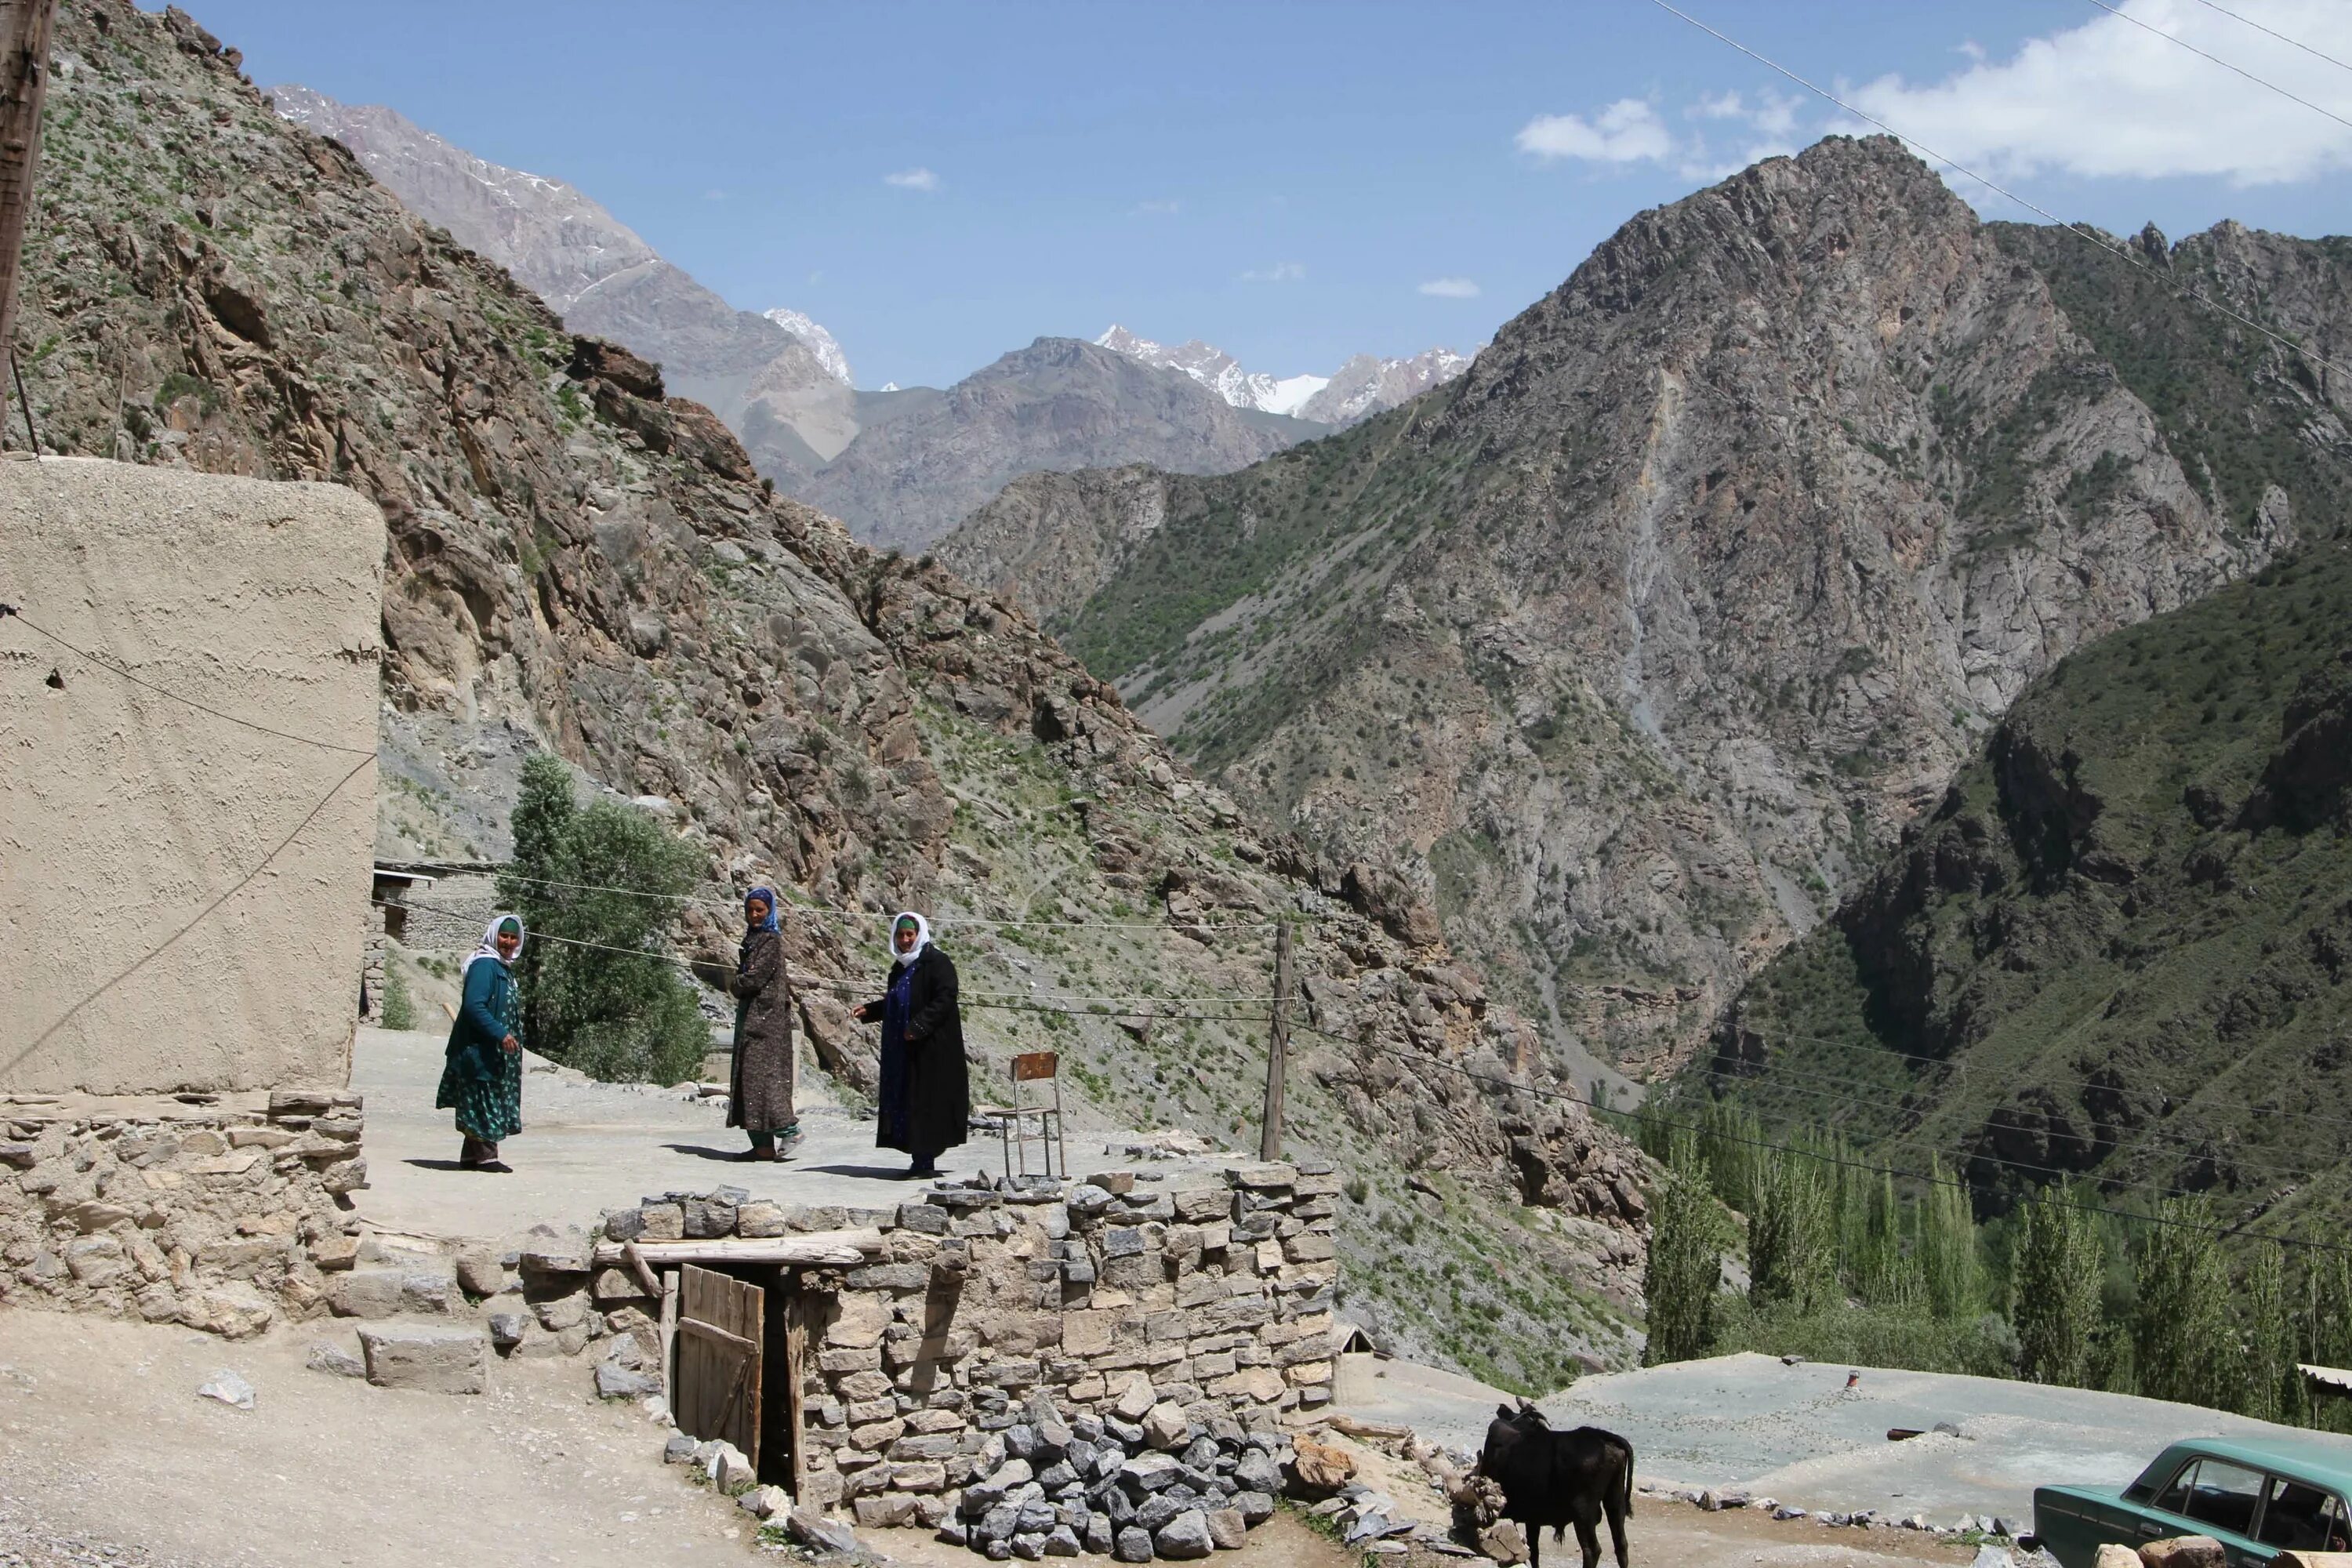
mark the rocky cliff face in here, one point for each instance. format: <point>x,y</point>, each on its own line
<point>580,561</point>
<point>2121,943</point>
<point>925,462</point>
<point>1645,635</point>
<point>775,378</point>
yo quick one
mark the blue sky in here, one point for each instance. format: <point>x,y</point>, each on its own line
<point>1286,181</point>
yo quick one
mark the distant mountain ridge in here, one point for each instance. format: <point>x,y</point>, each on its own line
<point>924,459</point>
<point>1362,386</point>
<point>778,380</point>
<point>1636,645</point>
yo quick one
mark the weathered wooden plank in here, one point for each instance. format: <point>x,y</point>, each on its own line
<point>718,1348</point>
<point>821,1249</point>
<point>712,1330</point>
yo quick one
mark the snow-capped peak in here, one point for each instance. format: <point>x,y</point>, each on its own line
<point>820,343</point>
<point>1370,384</point>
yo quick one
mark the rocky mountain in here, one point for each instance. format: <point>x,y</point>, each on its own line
<point>1362,386</point>
<point>1638,643</point>
<point>579,559</point>
<point>925,459</point>
<point>777,379</point>
<point>2121,943</point>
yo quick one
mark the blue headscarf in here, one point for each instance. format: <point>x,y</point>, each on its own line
<point>769,895</point>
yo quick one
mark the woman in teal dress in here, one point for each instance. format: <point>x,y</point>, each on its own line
<point>483,1081</point>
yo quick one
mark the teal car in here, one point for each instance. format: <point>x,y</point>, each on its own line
<point>2257,1498</point>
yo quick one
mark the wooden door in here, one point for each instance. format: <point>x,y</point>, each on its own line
<point>721,1331</point>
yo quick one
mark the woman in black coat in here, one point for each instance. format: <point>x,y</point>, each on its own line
<point>925,1094</point>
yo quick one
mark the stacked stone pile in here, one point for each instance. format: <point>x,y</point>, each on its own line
<point>224,1212</point>
<point>1141,1480</point>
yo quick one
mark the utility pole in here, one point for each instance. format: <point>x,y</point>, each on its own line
<point>24,27</point>
<point>1277,1047</point>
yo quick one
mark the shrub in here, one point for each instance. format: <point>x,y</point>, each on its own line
<point>399,1009</point>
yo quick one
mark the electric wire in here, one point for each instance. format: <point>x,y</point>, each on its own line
<point>2089,237</point>
<point>17,613</point>
<point>2273,32</point>
<point>2122,14</point>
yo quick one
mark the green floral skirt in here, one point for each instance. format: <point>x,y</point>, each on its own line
<point>489,1108</point>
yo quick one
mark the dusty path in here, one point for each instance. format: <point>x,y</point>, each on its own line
<point>588,1146</point>
<point>102,1437</point>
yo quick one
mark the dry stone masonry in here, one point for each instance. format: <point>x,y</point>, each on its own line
<point>226,1213</point>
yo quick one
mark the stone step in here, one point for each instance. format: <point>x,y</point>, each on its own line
<point>392,1290</point>
<point>435,1357</point>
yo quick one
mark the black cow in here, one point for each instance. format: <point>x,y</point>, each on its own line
<point>1560,1479</point>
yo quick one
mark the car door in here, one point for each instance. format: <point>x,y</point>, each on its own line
<point>2224,1500</point>
<point>2300,1517</point>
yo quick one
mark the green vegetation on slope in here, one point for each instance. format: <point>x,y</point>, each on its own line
<point>2122,946</point>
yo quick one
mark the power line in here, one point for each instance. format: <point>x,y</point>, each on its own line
<point>2087,236</point>
<point>2273,32</point>
<point>1570,1099</point>
<point>2225,65</point>
<point>106,663</point>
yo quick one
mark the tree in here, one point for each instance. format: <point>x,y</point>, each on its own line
<point>2271,1389</point>
<point>1791,1239</point>
<point>2181,1340</point>
<point>1687,1240</point>
<point>1950,1260</point>
<point>600,889</point>
<point>2055,1274</point>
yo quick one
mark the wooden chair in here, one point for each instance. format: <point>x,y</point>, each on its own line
<point>1014,1121</point>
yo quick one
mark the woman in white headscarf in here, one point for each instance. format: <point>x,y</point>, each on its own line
<point>482,1081</point>
<point>925,1093</point>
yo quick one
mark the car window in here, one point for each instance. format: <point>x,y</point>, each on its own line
<point>2304,1519</point>
<point>2216,1492</point>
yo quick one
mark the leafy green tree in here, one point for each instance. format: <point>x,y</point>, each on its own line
<point>599,888</point>
<point>2055,1273</point>
<point>1951,1261</point>
<point>1792,1234</point>
<point>1687,1237</point>
<point>2182,1345</point>
<point>2271,1390</point>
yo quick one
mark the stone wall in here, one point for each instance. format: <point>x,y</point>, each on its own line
<point>181,897</point>
<point>1210,1292</point>
<point>220,1212</point>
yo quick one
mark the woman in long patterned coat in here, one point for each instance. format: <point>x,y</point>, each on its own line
<point>759,1097</point>
<point>482,1078</point>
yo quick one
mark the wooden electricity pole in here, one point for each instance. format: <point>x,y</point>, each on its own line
<point>1277,1047</point>
<point>24,81</point>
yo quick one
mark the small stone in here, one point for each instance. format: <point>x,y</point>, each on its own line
<point>1150,1473</point>
<point>1185,1536</point>
<point>327,1356</point>
<point>1164,1425</point>
<point>1136,1400</point>
<point>678,1450</point>
<point>1099,1535</point>
<point>507,1329</point>
<point>1132,1545</point>
<point>814,1529</point>
<point>1228,1531</point>
<point>614,1381</point>
<point>228,1388</point>
<point>1254,1507</point>
<point>1061,1542</point>
<point>764,1502</point>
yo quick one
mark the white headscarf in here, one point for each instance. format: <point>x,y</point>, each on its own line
<point>490,948</point>
<point>923,936</point>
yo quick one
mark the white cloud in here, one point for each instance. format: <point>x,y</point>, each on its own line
<point>1628,131</point>
<point>916,179</point>
<point>1157,209</point>
<point>1280,272</point>
<point>2110,99</point>
<point>1451,288</point>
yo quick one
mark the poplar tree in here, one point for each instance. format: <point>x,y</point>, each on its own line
<point>2271,1389</point>
<point>1687,1240</point>
<point>1949,1259</point>
<point>2055,1274</point>
<point>1792,1236</point>
<point>2181,1342</point>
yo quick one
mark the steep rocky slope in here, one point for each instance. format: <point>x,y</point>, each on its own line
<point>1643,638</point>
<point>2122,944</point>
<point>777,379</point>
<point>926,461</point>
<point>580,561</point>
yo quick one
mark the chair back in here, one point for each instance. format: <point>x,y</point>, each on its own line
<point>1031,1066</point>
